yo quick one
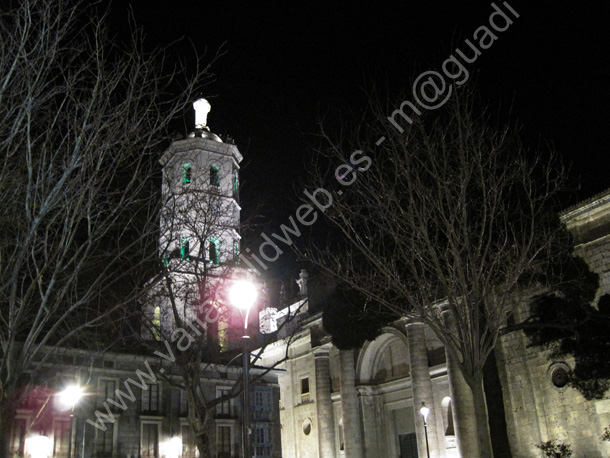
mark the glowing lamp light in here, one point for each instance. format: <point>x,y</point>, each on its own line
<point>39,446</point>
<point>173,448</point>
<point>424,411</point>
<point>243,294</point>
<point>69,397</point>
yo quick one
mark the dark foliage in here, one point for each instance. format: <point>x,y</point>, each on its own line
<point>569,323</point>
<point>349,318</point>
<point>553,449</point>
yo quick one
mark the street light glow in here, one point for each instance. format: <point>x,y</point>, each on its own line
<point>39,446</point>
<point>173,447</point>
<point>70,396</point>
<point>424,411</point>
<point>243,294</point>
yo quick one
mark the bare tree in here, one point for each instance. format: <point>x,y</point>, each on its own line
<point>80,117</point>
<point>442,222</point>
<point>188,319</point>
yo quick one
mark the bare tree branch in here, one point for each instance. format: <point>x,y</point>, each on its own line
<point>443,223</point>
<point>82,118</point>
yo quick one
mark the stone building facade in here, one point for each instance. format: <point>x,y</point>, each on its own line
<point>539,406</point>
<point>129,410</point>
<point>366,403</point>
<point>384,383</point>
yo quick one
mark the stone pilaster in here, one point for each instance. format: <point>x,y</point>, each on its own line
<point>324,406</point>
<point>422,390</point>
<point>349,405</point>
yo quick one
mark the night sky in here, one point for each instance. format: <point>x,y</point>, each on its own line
<point>289,63</point>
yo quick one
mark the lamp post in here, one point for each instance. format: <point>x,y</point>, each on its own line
<point>243,295</point>
<point>424,411</point>
<point>69,397</point>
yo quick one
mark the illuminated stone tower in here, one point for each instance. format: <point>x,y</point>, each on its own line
<point>200,196</point>
<point>199,238</point>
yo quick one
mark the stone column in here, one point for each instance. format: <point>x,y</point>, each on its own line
<point>464,420</point>
<point>373,439</point>
<point>422,390</point>
<point>324,405</point>
<point>352,431</point>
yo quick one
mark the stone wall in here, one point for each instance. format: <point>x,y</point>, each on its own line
<point>536,408</point>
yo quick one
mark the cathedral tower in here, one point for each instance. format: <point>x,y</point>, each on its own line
<point>199,227</point>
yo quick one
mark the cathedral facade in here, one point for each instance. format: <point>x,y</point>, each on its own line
<point>368,402</point>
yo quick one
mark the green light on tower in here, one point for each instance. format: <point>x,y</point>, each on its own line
<point>185,248</point>
<point>186,173</point>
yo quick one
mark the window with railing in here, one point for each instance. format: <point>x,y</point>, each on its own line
<point>61,437</point>
<point>151,398</point>
<point>225,408</point>
<point>223,441</point>
<point>150,440</point>
<point>262,440</point>
<point>104,442</point>
<point>20,428</point>
<point>106,389</point>
<point>189,449</point>
<point>263,403</point>
<point>305,390</point>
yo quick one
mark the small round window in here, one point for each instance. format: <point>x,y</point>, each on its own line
<point>307,427</point>
<point>559,374</point>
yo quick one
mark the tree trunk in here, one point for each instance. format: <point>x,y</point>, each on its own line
<point>7,415</point>
<point>495,405</point>
<point>475,383</point>
<point>202,441</point>
<point>201,428</point>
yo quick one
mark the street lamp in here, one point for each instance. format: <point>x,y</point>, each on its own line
<point>68,398</point>
<point>424,411</point>
<point>243,295</point>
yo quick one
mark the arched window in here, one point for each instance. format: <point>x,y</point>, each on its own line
<point>187,173</point>
<point>236,252</point>
<point>235,182</point>
<point>185,248</point>
<point>223,332</point>
<point>214,250</point>
<point>448,416</point>
<point>384,359</point>
<point>156,323</point>
<point>341,438</point>
<point>391,361</point>
<point>214,175</point>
